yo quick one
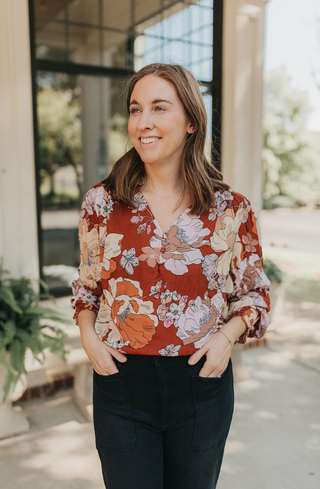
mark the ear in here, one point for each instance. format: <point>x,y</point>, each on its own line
<point>192,127</point>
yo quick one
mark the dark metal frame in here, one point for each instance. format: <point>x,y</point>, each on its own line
<point>214,87</point>
<point>216,84</point>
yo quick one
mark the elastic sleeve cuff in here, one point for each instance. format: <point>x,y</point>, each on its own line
<point>81,307</point>
<point>256,321</point>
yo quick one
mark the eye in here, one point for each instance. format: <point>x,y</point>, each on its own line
<point>134,110</point>
<point>159,109</point>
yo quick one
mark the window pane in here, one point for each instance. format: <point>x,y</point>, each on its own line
<point>114,48</point>
<point>208,104</point>
<point>82,132</point>
<point>145,9</point>
<point>207,33</point>
<point>51,40</point>
<point>117,14</point>
<point>206,3</point>
<point>196,36</point>
<point>182,31</point>
<point>85,45</point>
<point>52,9</point>
<point>84,11</point>
<point>196,17</point>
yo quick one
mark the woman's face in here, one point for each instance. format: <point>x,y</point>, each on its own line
<point>158,124</point>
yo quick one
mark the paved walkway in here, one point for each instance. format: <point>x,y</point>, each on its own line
<point>274,441</point>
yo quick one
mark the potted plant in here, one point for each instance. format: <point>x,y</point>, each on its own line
<point>275,275</point>
<point>24,324</point>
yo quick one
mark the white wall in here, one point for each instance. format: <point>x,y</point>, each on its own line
<point>242,92</point>
<point>18,229</point>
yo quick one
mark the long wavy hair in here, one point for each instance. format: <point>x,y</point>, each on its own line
<point>201,178</point>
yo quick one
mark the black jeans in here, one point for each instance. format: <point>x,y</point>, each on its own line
<point>158,425</point>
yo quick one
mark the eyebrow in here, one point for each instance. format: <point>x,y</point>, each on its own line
<point>156,101</point>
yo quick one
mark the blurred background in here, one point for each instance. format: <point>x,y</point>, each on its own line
<point>64,67</point>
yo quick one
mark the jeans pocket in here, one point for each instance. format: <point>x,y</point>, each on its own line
<point>113,424</point>
<point>214,403</point>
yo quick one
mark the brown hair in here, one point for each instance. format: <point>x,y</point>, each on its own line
<point>201,178</point>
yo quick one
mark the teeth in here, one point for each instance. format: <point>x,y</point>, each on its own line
<point>149,140</point>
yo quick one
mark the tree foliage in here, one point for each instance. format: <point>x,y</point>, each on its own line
<point>59,131</point>
<point>291,157</point>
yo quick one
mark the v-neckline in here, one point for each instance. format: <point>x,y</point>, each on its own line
<point>155,220</point>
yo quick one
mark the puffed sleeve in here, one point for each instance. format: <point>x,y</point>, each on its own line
<point>250,296</point>
<point>87,288</point>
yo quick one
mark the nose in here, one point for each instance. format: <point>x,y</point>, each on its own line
<point>145,121</point>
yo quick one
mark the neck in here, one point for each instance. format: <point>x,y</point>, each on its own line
<point>162,180</point>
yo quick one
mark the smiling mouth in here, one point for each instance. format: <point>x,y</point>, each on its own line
<point>149,140</point>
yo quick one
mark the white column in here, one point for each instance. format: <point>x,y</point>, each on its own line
<point>18,215</point>
<point>242,93</point>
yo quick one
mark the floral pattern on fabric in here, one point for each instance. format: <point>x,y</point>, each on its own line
<point>250,293</point>
<point>181,244</point>
<point>129,260</point>
<point>103,203</point>
<point>171,307</point>
<point>126,314</point>
<point>111,246</point>
<point>165,294</point>
<point>144,221</point>
<point>170,350</point>
<point>221,204</point>
<point>200,319</point>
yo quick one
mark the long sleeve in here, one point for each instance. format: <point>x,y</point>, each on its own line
<point>87,288</point>
<point>250,297</point>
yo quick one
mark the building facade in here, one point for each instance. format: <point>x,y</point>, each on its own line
<point>64,65</point>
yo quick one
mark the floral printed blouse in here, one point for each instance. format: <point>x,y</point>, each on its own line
<point>158,293</point>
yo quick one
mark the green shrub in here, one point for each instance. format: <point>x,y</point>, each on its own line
<point>273,273</point>
<point>25,324</point>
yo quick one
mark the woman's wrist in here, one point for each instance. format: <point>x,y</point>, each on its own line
<point>234,328</point>
<point>86,322</point>
<point>226,336</point>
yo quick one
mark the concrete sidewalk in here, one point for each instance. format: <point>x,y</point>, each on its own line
<point>274,442</point>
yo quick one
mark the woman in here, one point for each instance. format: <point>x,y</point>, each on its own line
<point>171,276</point>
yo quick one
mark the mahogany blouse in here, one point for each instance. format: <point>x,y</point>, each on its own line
<point>158,293</point>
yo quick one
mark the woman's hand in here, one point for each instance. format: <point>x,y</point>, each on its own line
<point>218,351</point>
<point>99,354</point>
<point>218,348</point>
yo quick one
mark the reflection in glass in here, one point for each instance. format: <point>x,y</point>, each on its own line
<point>84,45</point>
<point>162,31</point>
<point>82,131</point>
<point>53,9</point>
<point>117,15</point>
<point>207,98</point>
<point>82,119</point>
<point>51,40</point>
<point>180,34</point>
<point>84,11</point>
<point>114,48</point>
<point>145,9</point>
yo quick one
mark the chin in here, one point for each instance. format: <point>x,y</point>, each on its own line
<point>149,159</point>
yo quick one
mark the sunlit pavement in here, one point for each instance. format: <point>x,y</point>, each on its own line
<point>274,442</point>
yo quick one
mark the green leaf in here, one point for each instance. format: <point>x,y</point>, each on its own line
<point>5,363</point>
<point>9,384</point>
<point>3,315</point>
<point>9,331</point>
<point>7,297</point>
